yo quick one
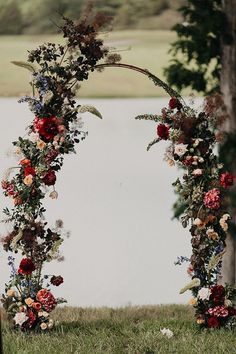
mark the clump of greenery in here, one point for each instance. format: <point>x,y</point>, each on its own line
<point>197,52</point>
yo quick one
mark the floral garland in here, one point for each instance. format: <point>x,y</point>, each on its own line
<point>54,132</point>
<point>203,192</point>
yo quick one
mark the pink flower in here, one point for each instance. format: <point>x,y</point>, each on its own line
<point>212,199</point>
<point>219,311</point>
<point>197,172</point>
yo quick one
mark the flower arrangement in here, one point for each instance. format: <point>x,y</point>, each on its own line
<point>203,191</point>
<point>54,132</point>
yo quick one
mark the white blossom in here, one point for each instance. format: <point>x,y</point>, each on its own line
<point>20,318</point>
<point>167,332</point>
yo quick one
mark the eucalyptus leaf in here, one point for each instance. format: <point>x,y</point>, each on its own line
<point>25,65</point>
<point>193,284</point>
<point>90,109</point>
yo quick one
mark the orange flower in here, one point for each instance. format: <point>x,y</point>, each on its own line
<point>36,305</point>
<point>192,301</point>
<point>25,162</point>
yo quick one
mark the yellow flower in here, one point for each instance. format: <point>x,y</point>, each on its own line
<point>43,326</point>
<point>192,301</point>
<point>28,180</point>
<point>200,320</point>
<point>41,144</point>
<point>29,301</point>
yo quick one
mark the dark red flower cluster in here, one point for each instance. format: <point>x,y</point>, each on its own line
<point>49,178</point>
<point>56,280</point>
<point>26,266</point>
<point>163,131</point>
<point>217,294</point>
<point>175,103</point>
<point>46,298</point>
<point>29,171</point>
<point>226,179</point>
<point>47,128</point>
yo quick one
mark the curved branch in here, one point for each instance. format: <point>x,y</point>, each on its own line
<point>155,79</point>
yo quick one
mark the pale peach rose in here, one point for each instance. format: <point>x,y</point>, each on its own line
<point>43,326</point>
<point>28,180</point>
<point>17,150</point>
<point>199,223</point>
<point>41,144</point>
<point>11,293</point>
<point>53,195</point>
<point>212,234</point>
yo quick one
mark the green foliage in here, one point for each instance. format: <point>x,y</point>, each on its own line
<point>11,21</point>
<point>196,54</point>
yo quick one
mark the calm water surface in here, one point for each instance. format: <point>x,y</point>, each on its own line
<point>115,198</point>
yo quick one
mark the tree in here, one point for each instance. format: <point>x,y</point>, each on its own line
<point>205,61</point>
<point>10,18</point>
<point>228,88</point>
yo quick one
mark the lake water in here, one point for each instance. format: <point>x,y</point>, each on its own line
<point>115,198</point>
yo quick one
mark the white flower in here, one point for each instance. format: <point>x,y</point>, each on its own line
<point>197,172</point>
<point>196,142</point>
<point>226,217</point>
<point>227,303</point>
<point>20,318</point>
<point>50,324</point>
<point>53,195</point>
<point>43,326</point>
<point>167,332</point>
<point>180,149</point>
<point>204,294</point>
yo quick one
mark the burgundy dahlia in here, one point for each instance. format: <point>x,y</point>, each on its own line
<point>217,294</point>
<point>226,179</point>
<point>26,266</point>
<point>213,322</point>
<point>56,280</point>
<point>47,128</point>
<point>49,178</point>
<point>163,131</point>
<point>175,103</point>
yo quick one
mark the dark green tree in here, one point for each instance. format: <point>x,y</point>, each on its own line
<point>197,52</point>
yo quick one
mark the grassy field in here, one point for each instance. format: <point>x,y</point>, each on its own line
<point>133,330</point>
<point>147,49</point>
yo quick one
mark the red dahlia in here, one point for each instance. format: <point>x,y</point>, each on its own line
<point>49,178</point>
<point>29,171</point>
<point>163,131</point>
<point>56,280</point>
<point>213,322</point>
<point>46,127</point>
<point>175,103</point>
<point>26,266</point>
<point>226,179</point>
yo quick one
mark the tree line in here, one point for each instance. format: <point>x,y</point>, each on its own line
<point>38,16</point>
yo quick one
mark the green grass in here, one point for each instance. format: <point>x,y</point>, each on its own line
<point>147,49</point>
<point>133,330</point>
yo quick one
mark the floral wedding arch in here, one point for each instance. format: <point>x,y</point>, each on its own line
<point>54,132</point>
